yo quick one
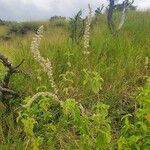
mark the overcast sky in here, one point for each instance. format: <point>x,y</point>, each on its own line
<point>26,10</point>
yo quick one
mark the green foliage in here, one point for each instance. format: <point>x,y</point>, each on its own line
<point>72,128</point>
<point>135,134</point>
<point>67,82</point>
<point>92,80</point>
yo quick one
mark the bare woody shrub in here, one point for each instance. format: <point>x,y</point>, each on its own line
<point>124,6</point>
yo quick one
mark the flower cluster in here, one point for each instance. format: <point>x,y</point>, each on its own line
<point>45,63</point>
<point>87,30</point>
<point>36,96</point>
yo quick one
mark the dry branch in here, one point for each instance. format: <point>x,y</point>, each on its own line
<point>4,88</point>
<point>8,91</point>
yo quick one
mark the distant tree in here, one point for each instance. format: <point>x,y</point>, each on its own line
<point>57,18</point>
<point>58,21</point>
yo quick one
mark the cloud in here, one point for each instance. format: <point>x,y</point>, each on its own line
<point>144,4</point>
<point>21,10</point>
<point>26,10</point>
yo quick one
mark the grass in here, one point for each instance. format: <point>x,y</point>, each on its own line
<point>119,59</point>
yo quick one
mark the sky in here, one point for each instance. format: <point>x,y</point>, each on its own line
<point>28,10</point>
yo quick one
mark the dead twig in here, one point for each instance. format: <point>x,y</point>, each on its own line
<point>8,91</point>
<point>4,88</point>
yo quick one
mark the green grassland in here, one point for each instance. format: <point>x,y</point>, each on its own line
<point>118,59</point>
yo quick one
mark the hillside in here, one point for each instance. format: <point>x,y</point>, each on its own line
<point>102,99</point>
